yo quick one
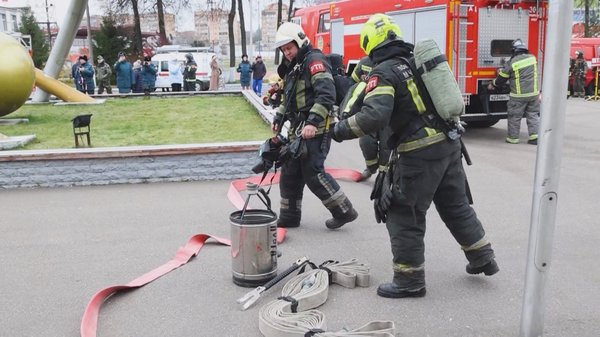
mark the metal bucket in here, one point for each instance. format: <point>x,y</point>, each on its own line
<point>253,247</point>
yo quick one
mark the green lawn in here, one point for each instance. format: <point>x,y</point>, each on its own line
<point>143,121</point>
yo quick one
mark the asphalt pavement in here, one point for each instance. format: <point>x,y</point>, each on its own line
<point>60,246</point>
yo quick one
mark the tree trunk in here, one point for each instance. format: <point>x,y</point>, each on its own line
<point>279,9</point>
<point>230,19</point>
<point>290,10</point>
<point>161,23</point>
<point>242,27</point>
<point>138,48</point>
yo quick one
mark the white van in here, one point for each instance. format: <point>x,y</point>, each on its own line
<point>164,54</point>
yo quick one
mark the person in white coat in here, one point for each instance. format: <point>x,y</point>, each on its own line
<point>175,74</point>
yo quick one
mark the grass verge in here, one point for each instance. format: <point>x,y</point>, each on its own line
<point>143,121</point>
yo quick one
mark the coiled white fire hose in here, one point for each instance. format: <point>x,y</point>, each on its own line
<point>293,314</point>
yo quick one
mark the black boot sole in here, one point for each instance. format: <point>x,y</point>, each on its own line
<point>401,294</point>
<point>340,222</point>
<point>488,269</point>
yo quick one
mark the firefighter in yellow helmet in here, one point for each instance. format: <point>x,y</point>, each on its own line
<point>425,165</point>
<point>309,95</point>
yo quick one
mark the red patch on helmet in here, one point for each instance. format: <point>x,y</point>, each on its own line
<point>316,67</point>
<point>373,80</point>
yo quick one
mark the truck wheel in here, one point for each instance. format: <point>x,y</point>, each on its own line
<point>482,124</point>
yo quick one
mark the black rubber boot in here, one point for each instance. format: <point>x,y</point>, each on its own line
<point>405,284</point>
<point>288,224</point>
<point>488,269</point>
<point>290,213</point>
<point>482,261</point>
<point>337,222</point>
<point>367,173</point>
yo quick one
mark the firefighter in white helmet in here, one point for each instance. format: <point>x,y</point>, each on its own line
<point>521,72</point>
<point>425,165</point>
<point>309,95</point>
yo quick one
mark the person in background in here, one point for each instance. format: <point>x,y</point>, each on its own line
<point>148,75</point>
<point>138,85</point>
<point>175,74</point>
<point>124,72</point>
<point>87,75</point>
<point>374,145</point>
<point>189,73</point>
<point>259,70</point>
<point>76,76</point>
<point>579,71</point>
<point>103,74</point>
<point>215,72</point>
<point>521,72</point>
<point>275,93</point>
<point>245,69</point>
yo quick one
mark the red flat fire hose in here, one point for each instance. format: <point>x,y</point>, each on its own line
<point>89,321</point>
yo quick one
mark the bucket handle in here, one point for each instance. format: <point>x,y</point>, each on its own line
<point>254,189</point>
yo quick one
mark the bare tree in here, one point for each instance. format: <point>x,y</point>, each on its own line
<point>290,10</point>
<point>161,22</point>
<point>137,29</point>
<point>123,6</point>
<point>242,27</point>
<point>161,5</point>
<point>230,20</point>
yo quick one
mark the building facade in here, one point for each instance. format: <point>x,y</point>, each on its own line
<point>10,19</point>
<point>269,22</point>
<point>212,27</point>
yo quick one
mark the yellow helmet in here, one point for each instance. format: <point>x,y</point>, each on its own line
<point>289,32</point>
<point>274,79</point>
<point>378,29</point>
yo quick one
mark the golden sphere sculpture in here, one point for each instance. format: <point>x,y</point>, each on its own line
<point>17,75</point>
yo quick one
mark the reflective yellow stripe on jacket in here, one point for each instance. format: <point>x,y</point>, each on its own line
<point>517,67</point>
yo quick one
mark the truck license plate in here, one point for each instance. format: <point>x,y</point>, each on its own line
<point>496,98</point>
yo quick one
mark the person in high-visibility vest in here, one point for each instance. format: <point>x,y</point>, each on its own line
<point>521,72</point>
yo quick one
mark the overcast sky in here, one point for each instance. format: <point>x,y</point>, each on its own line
<point>185,21</point>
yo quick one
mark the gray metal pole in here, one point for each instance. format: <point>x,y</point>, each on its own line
<point>89,34</point>
<point>63,43</point>
<point>545,194</point>
<point>48,26</point>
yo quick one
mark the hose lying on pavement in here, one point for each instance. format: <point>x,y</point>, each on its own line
<point>293,314</point>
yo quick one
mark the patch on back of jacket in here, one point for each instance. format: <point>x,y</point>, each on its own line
<point>404,72</point>
<point>372,84</point>
<point>316,67</point>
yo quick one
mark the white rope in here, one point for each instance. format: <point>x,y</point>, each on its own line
<point>309,290</point>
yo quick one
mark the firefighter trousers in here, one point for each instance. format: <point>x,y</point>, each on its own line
<point>436,174</point>
<point>579,86</point>
<point>516,110</point>
<point>189,85</point>
<point>309,170</point>
<point>375,149</point>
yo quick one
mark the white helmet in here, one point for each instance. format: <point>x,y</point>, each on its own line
<point>289,32</point>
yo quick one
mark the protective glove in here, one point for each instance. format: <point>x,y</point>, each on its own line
<point>380,215</point>
<point>332,133</point>
<point>382,196</point>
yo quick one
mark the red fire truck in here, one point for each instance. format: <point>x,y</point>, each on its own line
<point>476,36</point>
